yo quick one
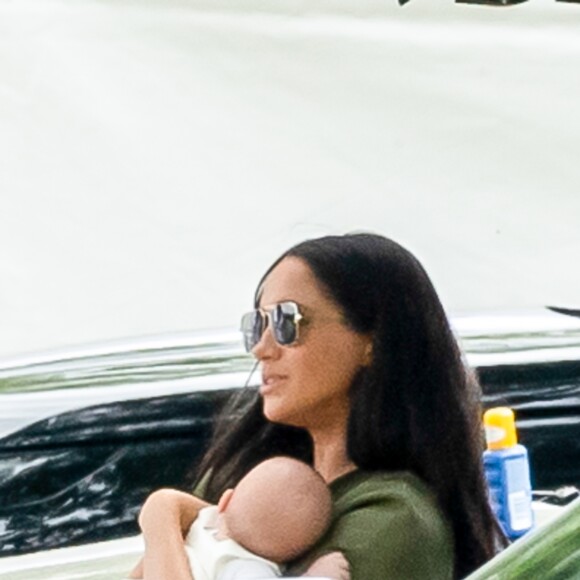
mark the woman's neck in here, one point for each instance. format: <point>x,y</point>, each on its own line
<point>330,456</point>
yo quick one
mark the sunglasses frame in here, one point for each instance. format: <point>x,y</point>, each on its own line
<point>247,326</point>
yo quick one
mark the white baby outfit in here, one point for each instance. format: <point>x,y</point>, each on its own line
<point>213,559</point>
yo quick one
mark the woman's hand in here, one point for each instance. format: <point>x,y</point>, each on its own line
<point>170,507</point>
<point>137,573</point>
<point>333,565</point>
<point>165,520</point>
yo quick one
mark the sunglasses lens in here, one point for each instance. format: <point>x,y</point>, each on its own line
<point>284,319</point>
<point>284,323</point>
<point>252,329</point>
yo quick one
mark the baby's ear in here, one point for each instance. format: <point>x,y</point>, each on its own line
<point>225,500</point>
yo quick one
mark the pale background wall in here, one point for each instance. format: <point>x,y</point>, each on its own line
<point>156,156</point>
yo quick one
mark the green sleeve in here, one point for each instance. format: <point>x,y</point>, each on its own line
<point>200,489</point>
<point>389,530</point>
<point>387,540</point>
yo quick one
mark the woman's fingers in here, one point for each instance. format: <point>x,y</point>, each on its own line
<point>170,507</point>
<point>333,565</point>
<point>160,506</point>
<point>138,571</point>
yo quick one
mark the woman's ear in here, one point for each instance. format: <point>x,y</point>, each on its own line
<point>225,500</point>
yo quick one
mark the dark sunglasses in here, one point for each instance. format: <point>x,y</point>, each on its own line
<point>283,318</point>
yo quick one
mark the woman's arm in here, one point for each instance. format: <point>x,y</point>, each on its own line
<point>165,520</point>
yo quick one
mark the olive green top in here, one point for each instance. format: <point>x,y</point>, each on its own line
<point>388,526</point>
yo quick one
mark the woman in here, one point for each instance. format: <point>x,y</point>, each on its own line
<point>361,377</point>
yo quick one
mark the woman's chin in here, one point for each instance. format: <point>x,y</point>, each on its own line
<point>275,414</point>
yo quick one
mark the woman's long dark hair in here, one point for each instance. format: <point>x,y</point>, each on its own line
<point>415,408</point>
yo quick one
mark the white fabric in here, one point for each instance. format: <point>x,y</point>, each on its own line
<point>209,556</point>
<point>246,570</point>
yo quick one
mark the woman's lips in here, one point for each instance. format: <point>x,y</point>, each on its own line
<point>271,382</point>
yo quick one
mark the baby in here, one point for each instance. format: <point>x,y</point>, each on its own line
<point>275,513</point>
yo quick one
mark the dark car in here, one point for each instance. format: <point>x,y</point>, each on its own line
<point>87,433</point>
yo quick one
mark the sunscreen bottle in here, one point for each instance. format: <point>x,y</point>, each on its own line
<point>507,471</point>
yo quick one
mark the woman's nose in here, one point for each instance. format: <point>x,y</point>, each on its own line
<point>267,347</point>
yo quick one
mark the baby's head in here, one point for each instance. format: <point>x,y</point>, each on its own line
<point>278,510</point>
